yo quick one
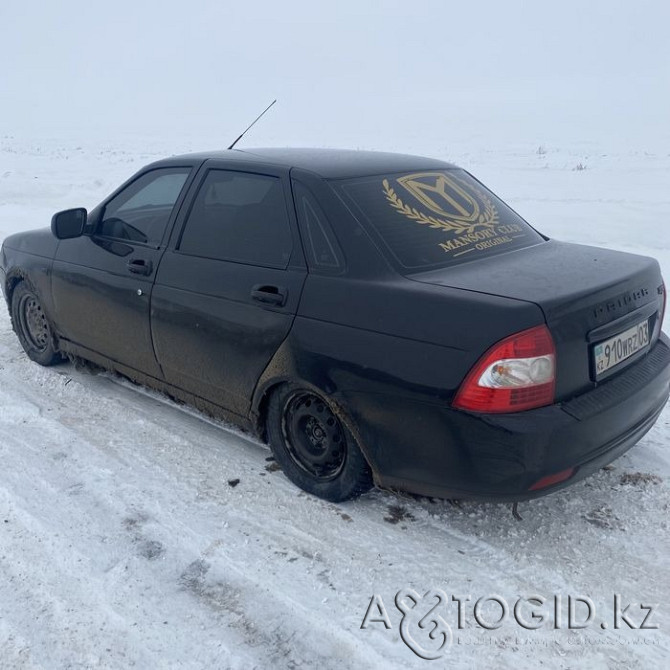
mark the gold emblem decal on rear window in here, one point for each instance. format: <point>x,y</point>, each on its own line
<point>454,208</point>
<point>446,203</point>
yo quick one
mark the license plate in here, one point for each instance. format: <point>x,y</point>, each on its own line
<point>617,349</point>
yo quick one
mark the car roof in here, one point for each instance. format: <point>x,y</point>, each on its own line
<point>328,163</point>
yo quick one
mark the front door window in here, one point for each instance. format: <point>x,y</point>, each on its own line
<point>140,213</point>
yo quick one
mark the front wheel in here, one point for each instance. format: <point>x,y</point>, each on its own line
<point>315,449</point>
<point>32,327</point>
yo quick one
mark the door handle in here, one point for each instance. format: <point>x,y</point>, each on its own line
<point>270,295</point>
<point>139,266</point>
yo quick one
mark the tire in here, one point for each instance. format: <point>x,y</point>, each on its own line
<point>32,327</point>
<point>314,448</point>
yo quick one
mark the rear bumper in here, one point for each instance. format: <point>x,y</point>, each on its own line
<point>436,451</point>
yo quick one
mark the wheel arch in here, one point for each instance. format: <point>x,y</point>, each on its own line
<point>284,369</point>
<point>13,279</point>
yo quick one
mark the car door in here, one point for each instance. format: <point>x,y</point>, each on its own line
<point>228,287</point>
<point>102,281</point>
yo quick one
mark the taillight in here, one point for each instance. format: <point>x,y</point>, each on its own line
<point>517,373</point>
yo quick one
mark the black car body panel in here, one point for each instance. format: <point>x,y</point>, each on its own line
<point>210,339</point>
<point>389,347</point>
<point>586,294</point>
<point>91,287</point>
<point>34,242</point>
<point>325,163</point>
<point>29,256</point>
<point>500,457</point>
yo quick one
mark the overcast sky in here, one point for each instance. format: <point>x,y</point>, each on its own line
<point>357,72</point>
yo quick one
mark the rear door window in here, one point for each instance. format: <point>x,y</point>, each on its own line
<point>239,217</point>
<point>435,219</point>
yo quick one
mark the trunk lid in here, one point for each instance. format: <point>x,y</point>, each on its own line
<point>587,295</point>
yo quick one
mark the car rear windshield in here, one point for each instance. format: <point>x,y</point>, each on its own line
<point>434,219</point>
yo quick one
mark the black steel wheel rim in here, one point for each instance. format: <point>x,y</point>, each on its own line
<point>314,436</point>
<point>34,323</point>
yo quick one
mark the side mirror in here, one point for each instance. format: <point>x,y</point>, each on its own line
<point>69,223</point>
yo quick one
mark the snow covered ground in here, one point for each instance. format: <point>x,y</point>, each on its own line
<point>123,544</point>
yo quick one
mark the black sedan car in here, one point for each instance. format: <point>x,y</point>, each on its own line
<point>377,318</point>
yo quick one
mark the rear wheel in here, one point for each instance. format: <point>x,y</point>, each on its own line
<point>315,449</point>
<point>32,326</point>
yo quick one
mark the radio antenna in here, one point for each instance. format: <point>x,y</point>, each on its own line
<point>251,124</point>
